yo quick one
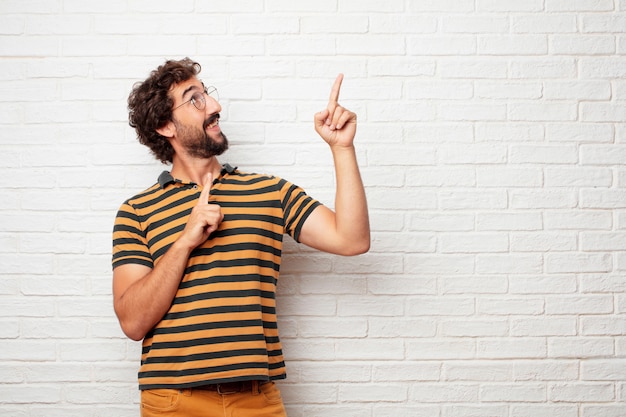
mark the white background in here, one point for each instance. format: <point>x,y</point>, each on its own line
<point>492,140</point>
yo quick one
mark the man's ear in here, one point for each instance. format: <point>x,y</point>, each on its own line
<point>168,130</point>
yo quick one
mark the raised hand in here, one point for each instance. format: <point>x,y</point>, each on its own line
<point>336,124</point>
<point>204,219</point>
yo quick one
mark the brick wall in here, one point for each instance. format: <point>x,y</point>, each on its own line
<point>492,141</point>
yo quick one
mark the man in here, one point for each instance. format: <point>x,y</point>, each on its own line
<point>196,256</point>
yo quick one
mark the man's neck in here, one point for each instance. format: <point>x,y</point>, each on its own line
<point>195,170</point>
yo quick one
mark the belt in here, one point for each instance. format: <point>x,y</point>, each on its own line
<point>233,387</point>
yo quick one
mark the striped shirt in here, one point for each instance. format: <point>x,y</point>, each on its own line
<point>221,326</point>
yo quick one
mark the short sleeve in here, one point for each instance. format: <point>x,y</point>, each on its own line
<point>297,206</point>
<point>129,241</point>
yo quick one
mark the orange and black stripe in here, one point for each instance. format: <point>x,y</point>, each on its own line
<point>221,326</point>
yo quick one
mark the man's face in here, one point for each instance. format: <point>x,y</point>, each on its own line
<point>196,119</point>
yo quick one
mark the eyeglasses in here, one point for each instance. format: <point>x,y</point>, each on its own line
<point>198,100</point>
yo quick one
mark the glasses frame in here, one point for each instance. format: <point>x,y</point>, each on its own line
<point>208,91</point>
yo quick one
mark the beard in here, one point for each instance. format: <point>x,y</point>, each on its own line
<point>198,143</point>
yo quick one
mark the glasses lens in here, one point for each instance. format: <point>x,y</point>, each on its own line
<point>198,100</point>
<point>212,92</point>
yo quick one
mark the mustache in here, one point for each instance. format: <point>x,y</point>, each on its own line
<point>211,120</point>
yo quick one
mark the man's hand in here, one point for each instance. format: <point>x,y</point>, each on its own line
<point>336,124</point>
<point>204,218</point>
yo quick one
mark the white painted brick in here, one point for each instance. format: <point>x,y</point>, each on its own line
<point>370,349</point>
<point>338,372</point>
<point>402,286</point>
<point>406,371</point>
<point>441,222</point>
<point>475,411</point>
<point>539,112</point>
<point>433,264</point>
<point>373,6</point>
<point>382,328</point>
<point>579,220</point>
<point>602,23</point>
<point>576,392</point>
<point>400,66</point>
<point>441,177</point>
<point>579,5</point>
<point>602,112</point>
<point>588,304</point>
<point>583,45</point>
<point>509,264</point>
<point>483,284</point>
<point>543,242</point>
<point>603,241</point>
<point>509,90</point>
<point>603,411</point>
<point>403,23</point>
<point>580,132</point>
<point>543,22</point>
<point>521,348</point>
<point>473,243</point>
<point>533,68</point>
<point>247,25</point>
<point>536,410</point>
<point>474,328</point>
<point>602,283</point>
<point>526,45</point>
<point>513,393</point>
<point>567,90</point>
<point>602,67</point>
<point>510,305</point>
<point>464,68</point>
<point>475,154</point>
<point>543,327</point>
<point>486,371</point>
<point>441,45</point>
<point>29,394</point>
<point>532,370</point>
<point>509,221</point>
<point>472,112</point>
<point>579,262</point>
<point>373,393</point>
<point>508,177</point>
<point>603,199</point>
<point>414,243</point>
<point>543,199</point>
<point>372,306</point>
<point>578,177</point>
<point>599,326</point>
<point>475,24</point>
<point>509,6</point>
<point>457,393</point>
<point>446,90</point>
<point>603,370</point>
<point>439,349</point>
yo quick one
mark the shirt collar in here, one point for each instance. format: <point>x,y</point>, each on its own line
<point>166,177</point>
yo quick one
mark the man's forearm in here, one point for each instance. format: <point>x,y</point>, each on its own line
<point>352,219</point>
<point>144,303</point>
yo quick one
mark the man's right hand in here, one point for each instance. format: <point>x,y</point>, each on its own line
<point>204,219</point>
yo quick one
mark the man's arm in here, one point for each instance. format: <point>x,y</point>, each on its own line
<point>345,231</point>
<point>142,295</point>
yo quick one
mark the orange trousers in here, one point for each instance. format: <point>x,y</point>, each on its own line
<point>261,401</point>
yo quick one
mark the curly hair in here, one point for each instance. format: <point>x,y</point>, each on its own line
<point>150,106</point>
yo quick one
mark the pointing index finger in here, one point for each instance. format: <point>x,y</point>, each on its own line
<point>334,93</point>
<point>204,195</point>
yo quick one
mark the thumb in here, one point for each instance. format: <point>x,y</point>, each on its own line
<point>321,117</point>
<point>206,189</point>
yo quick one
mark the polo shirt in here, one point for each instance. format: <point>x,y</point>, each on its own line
<point>221,326</point>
